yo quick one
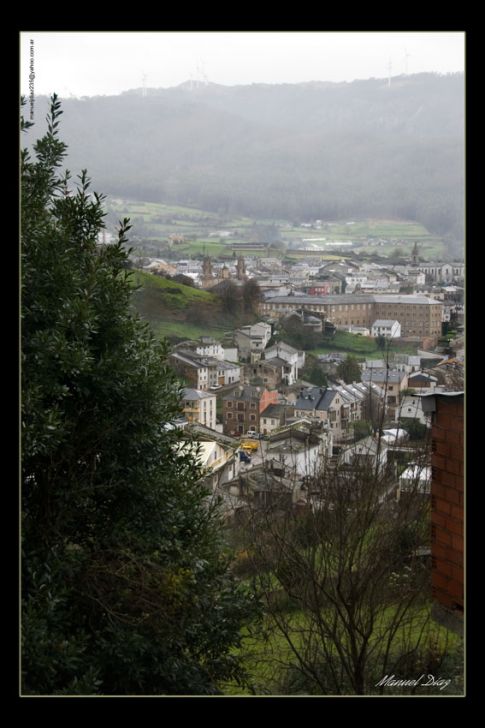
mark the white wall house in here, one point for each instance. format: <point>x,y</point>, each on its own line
<point>415,479</point>
<point>411,408</point>
<point>199,406</point>
<point>207,346</point>
<point>301,453</point>
<point>252,340</point>
<point>295,360</point>
<point>230,371</point>
<point>386,327</point>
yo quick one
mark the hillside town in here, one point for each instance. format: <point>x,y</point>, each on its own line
<point>242,371</point>
<point>262,431</point>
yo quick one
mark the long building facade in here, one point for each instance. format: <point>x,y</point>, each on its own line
<point>418,315</point>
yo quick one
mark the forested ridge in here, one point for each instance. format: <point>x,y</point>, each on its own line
<point>289,151</point>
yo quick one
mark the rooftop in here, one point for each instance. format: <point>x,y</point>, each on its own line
<point>315,398</point>
<point>389,323</point>
<point>381,375</point>
<point>191,394</point>
<point>354,298</point>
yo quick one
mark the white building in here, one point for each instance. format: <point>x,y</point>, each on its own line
<point>252,340</point>
<point>207,346</point>
<point>301,452</point>
<point>386,327</point>
<point>217,454</point>
<point>415,479</point>
<point>295,360</point>
<point>199,406</point>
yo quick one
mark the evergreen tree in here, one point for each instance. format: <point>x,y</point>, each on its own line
<point>349,370</point>
<point>125,581</point>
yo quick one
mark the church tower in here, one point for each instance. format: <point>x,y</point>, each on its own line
<point>241,269</point>
<point>207,275</point>
<point>414,259</point>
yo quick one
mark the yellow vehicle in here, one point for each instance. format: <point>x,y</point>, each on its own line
<point>250,445</point>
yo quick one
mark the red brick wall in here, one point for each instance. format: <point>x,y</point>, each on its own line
<point>447,501</point>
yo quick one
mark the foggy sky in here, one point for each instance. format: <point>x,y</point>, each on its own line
<point>94,63</point>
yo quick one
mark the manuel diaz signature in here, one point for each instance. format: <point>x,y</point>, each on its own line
<point>423,681</point>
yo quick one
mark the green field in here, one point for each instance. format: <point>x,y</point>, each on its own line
<point>164,304</point>
<point>266,653</point>
<point>158,221</point>
<point>361,346</point>
<point>174,295</point>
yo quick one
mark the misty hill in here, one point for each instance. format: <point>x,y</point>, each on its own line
<point>290,151</point>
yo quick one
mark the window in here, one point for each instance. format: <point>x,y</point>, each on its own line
<point>229,404</point>
<point>240,418</point>
<point>252,418</point>
<point>229,415</point>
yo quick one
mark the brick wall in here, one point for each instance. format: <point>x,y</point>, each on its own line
<point>447,502</point>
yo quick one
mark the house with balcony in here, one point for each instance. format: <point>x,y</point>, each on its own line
<point>203,372</point>
<point>199,407</point>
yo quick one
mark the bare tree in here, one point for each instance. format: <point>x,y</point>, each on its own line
<point>346,580</point>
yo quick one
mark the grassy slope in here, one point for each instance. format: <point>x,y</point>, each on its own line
<point>164,304</point>
<point>361,346</point>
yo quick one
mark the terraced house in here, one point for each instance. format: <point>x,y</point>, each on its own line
<point>243,406</point>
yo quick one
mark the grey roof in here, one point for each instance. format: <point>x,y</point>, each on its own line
<point>192,361</point>
<point>245,392</point>
<point>276,410</point>
<point>315,398</point>
<point>355,298</point>
<point>322,300</point>
<point>207,434</point>
<point>291,439</point>
<point>408,298</point>
<point>385,322</point>
<point>375,364</point>
<point>380,375</point>
<point>189,393</point>
<point>423,375</point>
<point>276,361</point>
<point>281,345</point>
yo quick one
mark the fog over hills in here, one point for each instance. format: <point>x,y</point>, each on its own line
<point>289,151</point>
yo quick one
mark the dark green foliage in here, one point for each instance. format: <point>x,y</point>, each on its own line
<point>381,342</point>
<point>313,371</point>
<point>362,429</point>
<point>125,585</point>
<point>349,370</point>
<point>298,335</point>
<point>251,296</point>
<point>415,428</point>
